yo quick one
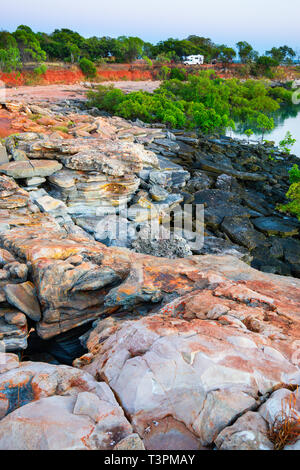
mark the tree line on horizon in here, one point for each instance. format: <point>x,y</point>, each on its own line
<point>24,45</point>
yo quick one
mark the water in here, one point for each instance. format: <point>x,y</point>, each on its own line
<point>286,119</point>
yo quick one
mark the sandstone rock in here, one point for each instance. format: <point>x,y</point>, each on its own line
<point>11,196</point>
<point>249,432</point>
<point>278,405</point>
<point>49,204</point>
<point>175,178</point>
<point>13,330</point>
<point>172,355</point>
<point>3,155</point>
<point>8,361</point>
<point>23,296</point>
<point>163,244</point>
<point>36,181</point>
<point>47,424</point>
<point>220,408</point>
<point>158,193</point>
<point>114,231</point>
<point>200,367</point>
<point>16,270</point>
<point>132,442</point>
<point>74,410</point>
<point>6,257</point>
<point>35,109</point>
<point>24,169</point>
<point>19,155</point>
<point>8,186</point>
<point>182,358</point>
<point>93,190</point>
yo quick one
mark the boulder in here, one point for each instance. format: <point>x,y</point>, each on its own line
<point>249,432</point>
<point>73,410</point>
<point>23,297</point>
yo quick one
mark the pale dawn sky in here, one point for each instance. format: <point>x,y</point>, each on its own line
<point>263,23</point>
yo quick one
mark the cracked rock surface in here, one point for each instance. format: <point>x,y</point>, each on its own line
<point>187,349</point>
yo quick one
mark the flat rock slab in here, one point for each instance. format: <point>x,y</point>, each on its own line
<point>241,231</point>
<point>23,296</point>
<point>218,204</point>
<point>276,226</point>
<point>3,155</point>
<point>30,169</point>
<point>218,168</point>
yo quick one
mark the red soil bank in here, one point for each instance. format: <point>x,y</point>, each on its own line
<point>70,77</point>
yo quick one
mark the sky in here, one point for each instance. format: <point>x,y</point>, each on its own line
<point>263,23</point>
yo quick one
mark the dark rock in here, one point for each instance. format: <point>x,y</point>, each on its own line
<point>276,226</point>
<point>241,231</point>
<point>199,182</point>
<point>221,168</point>
<point>257,202</point>
<point>168,144</point>
<point>219,246</point>
<point>219,204</point>
<point>225,182</point>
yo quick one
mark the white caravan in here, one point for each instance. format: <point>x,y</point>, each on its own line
<point>194,60</point>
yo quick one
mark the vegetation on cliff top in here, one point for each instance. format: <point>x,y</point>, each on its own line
<point>69,46</point>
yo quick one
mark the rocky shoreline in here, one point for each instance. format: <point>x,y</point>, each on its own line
<point>181,347</point>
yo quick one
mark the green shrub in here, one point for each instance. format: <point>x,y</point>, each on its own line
<point>10,59</point>
<point>293,194</point>
<point>281,94</point>
<point>179,74</point>
<point>293,207</point>
<point>294,174</point>
<point>202,100</point>
<point>164,72</point>
<point>286,143</point>
<point>148,61</point>
<point>40,70</point>
<point>87,67</point>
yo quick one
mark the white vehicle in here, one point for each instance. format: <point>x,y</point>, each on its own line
<point>194,60</point>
